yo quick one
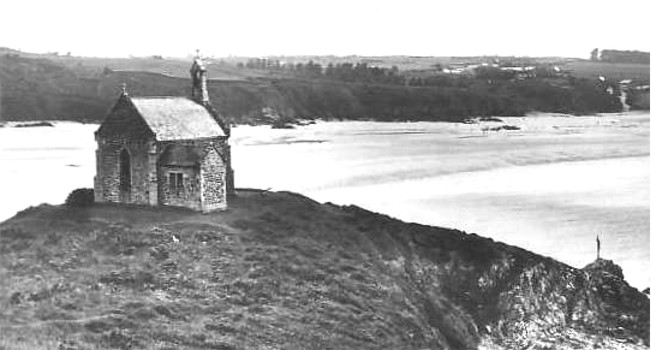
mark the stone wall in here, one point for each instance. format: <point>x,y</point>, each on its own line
<point>206,184</point>
<point>213,181</point>
<point>224,149</point>
<point>188,195</point>
<point>123,129</point>
<point>107,181</point>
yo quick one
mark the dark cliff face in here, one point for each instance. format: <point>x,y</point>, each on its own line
<point>278,270</point>
<point>519,298</point>
<point>610,304</point>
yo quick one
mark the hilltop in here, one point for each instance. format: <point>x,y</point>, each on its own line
<point>47,87</point>
<point>279,270</point>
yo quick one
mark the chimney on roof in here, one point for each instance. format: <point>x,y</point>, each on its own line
<point>199,81</point>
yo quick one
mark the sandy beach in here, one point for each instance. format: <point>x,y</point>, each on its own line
<point>550,186</point>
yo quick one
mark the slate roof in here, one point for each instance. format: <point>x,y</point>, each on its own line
<point>177,118</point>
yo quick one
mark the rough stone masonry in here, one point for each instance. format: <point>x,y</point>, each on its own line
<point>170,151</point>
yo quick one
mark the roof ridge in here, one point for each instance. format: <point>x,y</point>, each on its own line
<point>153,97</point>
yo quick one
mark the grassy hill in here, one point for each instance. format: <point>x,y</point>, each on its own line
<point>46,87</point>
<point>280,271</point>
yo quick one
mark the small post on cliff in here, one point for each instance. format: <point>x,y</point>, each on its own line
<point>598,248</point>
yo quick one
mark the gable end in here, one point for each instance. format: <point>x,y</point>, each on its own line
<point>123,119</point>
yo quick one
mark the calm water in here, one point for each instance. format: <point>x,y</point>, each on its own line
<point>549,187</point>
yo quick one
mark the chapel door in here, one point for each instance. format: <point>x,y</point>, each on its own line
<point>125,176</point>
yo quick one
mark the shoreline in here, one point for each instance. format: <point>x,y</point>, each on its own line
<point>302,122</point>
<point>372,157</point>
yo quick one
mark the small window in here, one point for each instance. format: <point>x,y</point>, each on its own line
<point>176,182</point>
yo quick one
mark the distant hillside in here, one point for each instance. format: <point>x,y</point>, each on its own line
<point>622,56</point>
<point>42,87</point>
<point>225,68</point>
<point>280,271</point>
<point>615,71</point>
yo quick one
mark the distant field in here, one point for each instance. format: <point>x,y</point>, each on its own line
<point>225,68</point>
<point>616,71</point>
<point>169,67</point>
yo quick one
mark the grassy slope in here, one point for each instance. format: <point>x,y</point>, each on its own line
<point>36,87</point>
<point>613,71</point>
<point>278,270</point>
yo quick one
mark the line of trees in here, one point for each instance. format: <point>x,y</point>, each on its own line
<point>348,72</point>
<point>362,72</point>
<point>620,56</point>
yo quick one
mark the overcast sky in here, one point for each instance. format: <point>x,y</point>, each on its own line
<point>119,28</point>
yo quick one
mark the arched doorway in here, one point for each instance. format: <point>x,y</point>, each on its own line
<point>125,176</point>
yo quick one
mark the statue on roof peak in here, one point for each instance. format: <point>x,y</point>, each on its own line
<point>199,80</point>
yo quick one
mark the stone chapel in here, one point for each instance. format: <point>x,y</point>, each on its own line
<point>165,151</point>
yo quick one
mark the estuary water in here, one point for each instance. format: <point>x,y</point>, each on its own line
<point>551,186</point>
